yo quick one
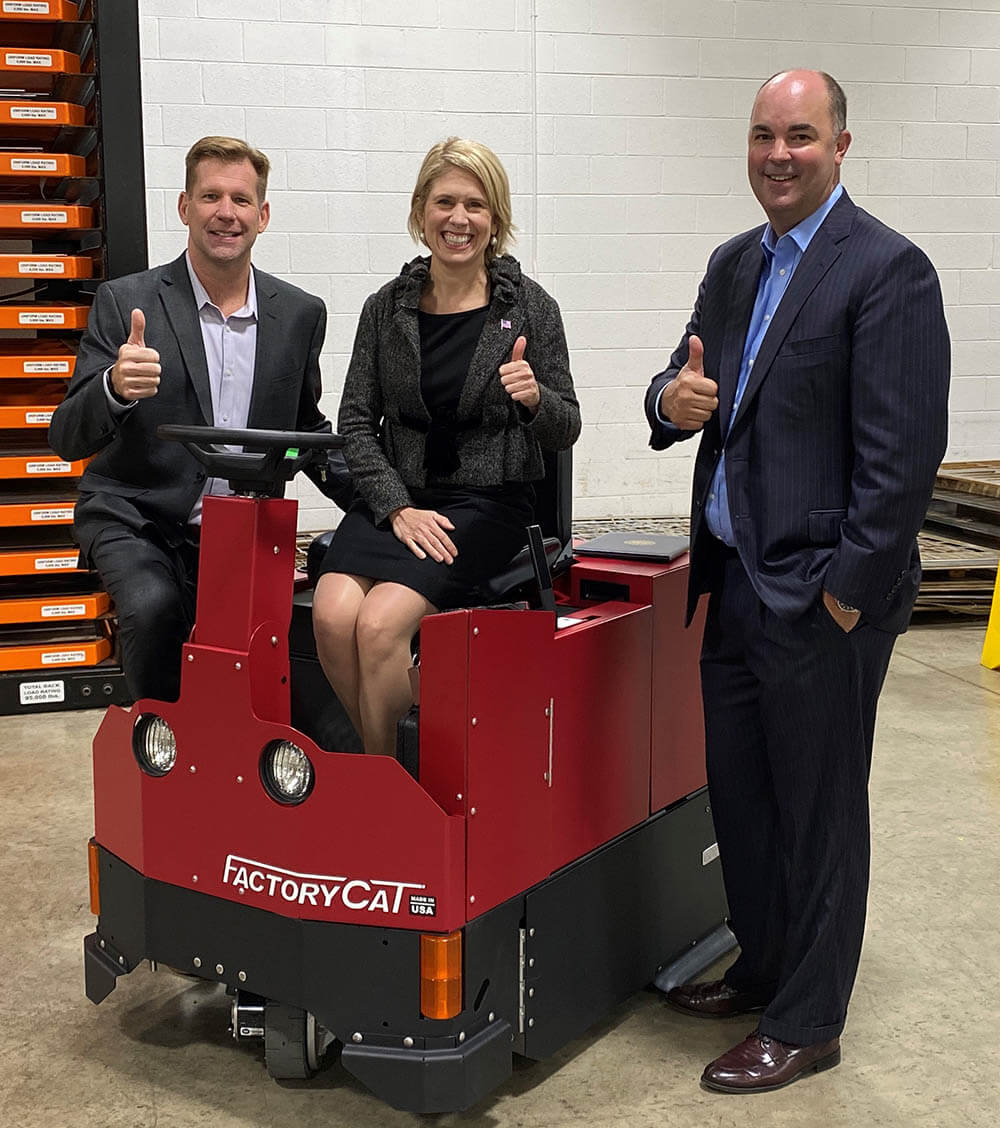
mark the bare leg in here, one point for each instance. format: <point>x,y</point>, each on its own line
<point>336,604</point>
<point>386,624</point>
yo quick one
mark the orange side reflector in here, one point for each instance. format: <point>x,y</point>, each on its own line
<point>440,975</point>
<point>95,878</point>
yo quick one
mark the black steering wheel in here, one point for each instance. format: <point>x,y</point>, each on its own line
<point>275,457</point>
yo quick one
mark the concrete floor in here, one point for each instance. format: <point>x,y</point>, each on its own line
<point>922,1047</point>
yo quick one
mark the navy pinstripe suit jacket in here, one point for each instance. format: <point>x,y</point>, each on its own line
<point>831,457</point>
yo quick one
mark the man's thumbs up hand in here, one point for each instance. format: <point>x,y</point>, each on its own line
<point>138,329</point>
<point>690,398</point>
<point>136,373</point>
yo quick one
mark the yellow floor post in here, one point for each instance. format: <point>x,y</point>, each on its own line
<point>991,645</point>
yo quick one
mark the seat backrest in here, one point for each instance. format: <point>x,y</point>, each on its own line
<point>554,496</point>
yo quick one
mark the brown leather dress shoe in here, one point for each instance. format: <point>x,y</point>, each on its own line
<point>760,1064</point>
<point>715,999</point>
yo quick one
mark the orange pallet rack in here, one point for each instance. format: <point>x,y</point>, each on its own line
<point>37,511</point>
<point>45,60</point>
<point>21,358</point>
<point>41,215</point>
<point>37,11</point>
<point>23,406</point>
<point>28,112</point>
<point>46,266</point>
<point>44,315</point>
<point>38,464</point>
<point>59,655</point>
<point>34,164</point>
<point>52,608</point>
<point>40,561</point>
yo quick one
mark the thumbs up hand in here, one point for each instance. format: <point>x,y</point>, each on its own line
<point>690,398</point>
<point>518,379</point>
<point>136,372</point>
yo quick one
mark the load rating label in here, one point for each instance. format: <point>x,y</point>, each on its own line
<point>48,467</point>
<point>64,610</point>
<point>44,216</point>
<point>62,657</point>
<point>36,113</point>
<point>37,266</point>
<point>41,692</point>
<point>33,164</point>
<point>35,367</point>
<point>41,319</point>
<point>26,59</point>
<point>55,563</point>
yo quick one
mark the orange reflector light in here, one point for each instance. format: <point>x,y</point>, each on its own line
<point>95,878</point>
<point>440,975</point>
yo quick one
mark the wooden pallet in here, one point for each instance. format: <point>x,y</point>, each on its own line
<point>982,478</point>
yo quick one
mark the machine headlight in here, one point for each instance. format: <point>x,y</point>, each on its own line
<point>154,744</point>
<point>286,772</point>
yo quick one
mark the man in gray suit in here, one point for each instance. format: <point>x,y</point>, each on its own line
<point>206,339</point>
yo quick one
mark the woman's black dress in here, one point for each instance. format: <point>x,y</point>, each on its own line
<point>489,522</point>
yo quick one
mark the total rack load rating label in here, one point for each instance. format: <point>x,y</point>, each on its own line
<point>41,692</point>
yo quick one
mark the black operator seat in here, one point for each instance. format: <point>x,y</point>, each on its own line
<point>553,512</point>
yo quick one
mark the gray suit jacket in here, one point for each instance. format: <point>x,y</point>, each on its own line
<point>138,479</point>
<point>499,441</point>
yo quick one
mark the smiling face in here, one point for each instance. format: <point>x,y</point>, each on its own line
<point>793,155</point>
<point>223,214</point>
<point>457,223</point>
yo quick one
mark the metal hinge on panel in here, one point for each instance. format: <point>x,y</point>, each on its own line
<point>520,980</point>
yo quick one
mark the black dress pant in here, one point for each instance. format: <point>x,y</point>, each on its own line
<point>153,587</point>
<point>789,720</point>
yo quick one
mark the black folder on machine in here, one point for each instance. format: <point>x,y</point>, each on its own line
<point>657,547</point>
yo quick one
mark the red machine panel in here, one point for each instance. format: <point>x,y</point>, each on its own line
<point>512,680</point>
<point>444,708</point>
<point>601,728</point>
<point>210,826</point>
<point>365,839</point>
<point>678,728</point>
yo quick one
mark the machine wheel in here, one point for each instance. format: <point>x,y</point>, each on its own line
<point>290,1051</point>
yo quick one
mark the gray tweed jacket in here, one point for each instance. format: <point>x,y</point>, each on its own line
<point>500,442</point>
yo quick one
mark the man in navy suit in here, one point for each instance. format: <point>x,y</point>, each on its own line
<point>816,367</point>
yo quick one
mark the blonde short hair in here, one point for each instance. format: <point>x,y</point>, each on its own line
<point>485,166</point>
<point>229,150</point>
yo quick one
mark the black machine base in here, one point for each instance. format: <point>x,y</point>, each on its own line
<point>539,970</point>
<point>44,691</point>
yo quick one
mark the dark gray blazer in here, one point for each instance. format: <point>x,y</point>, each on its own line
<point>500,442</point>
<point>831,458</point>
<point>138,479</point>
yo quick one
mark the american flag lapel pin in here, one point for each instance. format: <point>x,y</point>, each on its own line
<point>504,323</point>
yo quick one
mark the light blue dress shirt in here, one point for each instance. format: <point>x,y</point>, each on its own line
<point>230,349</point>
<point>781,257</point>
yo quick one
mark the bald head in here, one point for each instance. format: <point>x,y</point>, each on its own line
<point>794,148</point>
<point>838,99</point>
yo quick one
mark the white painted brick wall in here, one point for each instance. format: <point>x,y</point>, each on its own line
<point>625,149</point>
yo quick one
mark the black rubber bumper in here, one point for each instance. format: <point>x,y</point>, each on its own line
<point>361,982</point>
<point>444,1080</point>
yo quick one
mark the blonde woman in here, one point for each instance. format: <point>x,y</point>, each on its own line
<point>458,380</point>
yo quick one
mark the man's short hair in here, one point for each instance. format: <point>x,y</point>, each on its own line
<point>838,99</point>
<point>230,150</point>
